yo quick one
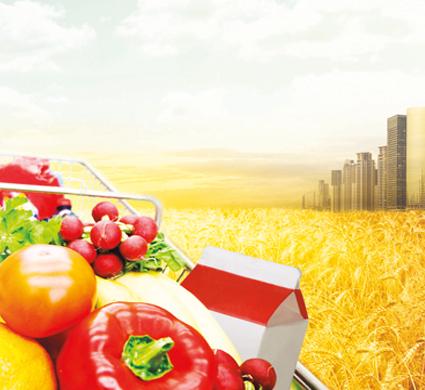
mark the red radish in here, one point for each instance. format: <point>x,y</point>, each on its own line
<point>105,235</point>
<point>134,248</point>
<point>84,248</point>
<point>261,371</point>
<point>107,265</point>
<point>129,219</point>
<point>71,228</point>
<point>105,208</point>
<point>229,376</point>
<point>145,227</point>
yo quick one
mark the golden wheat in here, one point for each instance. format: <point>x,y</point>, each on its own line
<point>363,282</point>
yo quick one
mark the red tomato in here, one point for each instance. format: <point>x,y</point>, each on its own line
<point>45,289</point>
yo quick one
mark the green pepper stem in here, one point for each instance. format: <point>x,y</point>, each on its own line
<point>146,357</point>
<point>145,354</point>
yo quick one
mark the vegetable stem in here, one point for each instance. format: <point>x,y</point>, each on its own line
<point>146,357</point>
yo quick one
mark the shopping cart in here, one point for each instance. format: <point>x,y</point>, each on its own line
<point>81,183</point>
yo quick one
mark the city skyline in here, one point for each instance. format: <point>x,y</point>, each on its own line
<point>234,98</point>
<point>394,181</point>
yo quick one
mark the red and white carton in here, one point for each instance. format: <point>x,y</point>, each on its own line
<point>258,303</point>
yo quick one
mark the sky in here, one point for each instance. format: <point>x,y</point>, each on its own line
<point>302,84</point>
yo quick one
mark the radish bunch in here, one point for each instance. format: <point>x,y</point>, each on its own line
<point>109,243</point>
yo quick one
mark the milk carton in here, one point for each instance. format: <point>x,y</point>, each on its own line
<point>258,303</point>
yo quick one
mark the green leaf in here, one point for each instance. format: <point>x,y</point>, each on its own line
<point>16,219</point>
<point>38,234</point>
<point>14,243</point>
<point>13,203</point>
<point>18,228</point>
<point>3,245</point>
<point>162,252</point>
<point>151,264</point>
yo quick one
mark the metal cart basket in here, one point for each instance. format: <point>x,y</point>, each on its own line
<point>81,182</point>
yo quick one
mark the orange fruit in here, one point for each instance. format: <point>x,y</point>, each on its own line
<point>25,365</point>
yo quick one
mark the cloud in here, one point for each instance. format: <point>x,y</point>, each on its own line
<point>32,34</point>
<point>18,107</point>
<point>24,122</point>
<point>201,109</point>
<point>335,30</point>
<point>28,114</point>
<point>169,27</point>
<point>344,96</point>
<point>330,115</point>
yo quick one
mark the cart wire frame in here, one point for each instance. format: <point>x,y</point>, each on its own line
<point>302,376</point>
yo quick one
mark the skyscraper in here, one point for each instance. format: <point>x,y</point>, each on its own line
<point>396,162</point>
<point>323,198</point>
<point>336,182</point>
<point>381,198</point>
<point>365,182</point>
<point>348,175</point>
<point>309,200</point>
<point>416,157</point>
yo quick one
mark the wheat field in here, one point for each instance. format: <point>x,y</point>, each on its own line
<point>363,283</point>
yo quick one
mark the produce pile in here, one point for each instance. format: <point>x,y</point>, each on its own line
<point>85,307</point>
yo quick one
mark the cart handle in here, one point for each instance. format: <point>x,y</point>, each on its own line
<point>95,194</point>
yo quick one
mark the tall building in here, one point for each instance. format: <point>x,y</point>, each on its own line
<point>365,183</point>
<point>381,196</point>
<point>348,175</point>
<point>416,157</point>
<point>396,162</point>
<point>323,198</point>
<point>336,182</point>
<point>309,200</point>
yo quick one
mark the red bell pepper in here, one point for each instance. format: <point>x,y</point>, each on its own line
<point>131,346</point>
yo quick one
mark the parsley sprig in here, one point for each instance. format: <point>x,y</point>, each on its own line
<point>18,228</point>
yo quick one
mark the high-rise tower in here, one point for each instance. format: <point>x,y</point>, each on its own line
<point>396,162</point>
<point>309,200</point>
<point>365,182</point>
<point>323,199</point>
<point>336,182</point>
<point>348,175</point>
<point>381,197</point>
<point>416,157</point>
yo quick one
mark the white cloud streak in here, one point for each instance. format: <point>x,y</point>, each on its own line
<point>262,30</point>
<point>20,108</point>
<point>32,34</point>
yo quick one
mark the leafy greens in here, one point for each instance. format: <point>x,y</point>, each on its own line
<point>18,228</point>
<point>160,254</point>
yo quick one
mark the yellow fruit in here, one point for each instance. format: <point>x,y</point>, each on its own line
<point>24,364</point>
<point>108,291</point>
